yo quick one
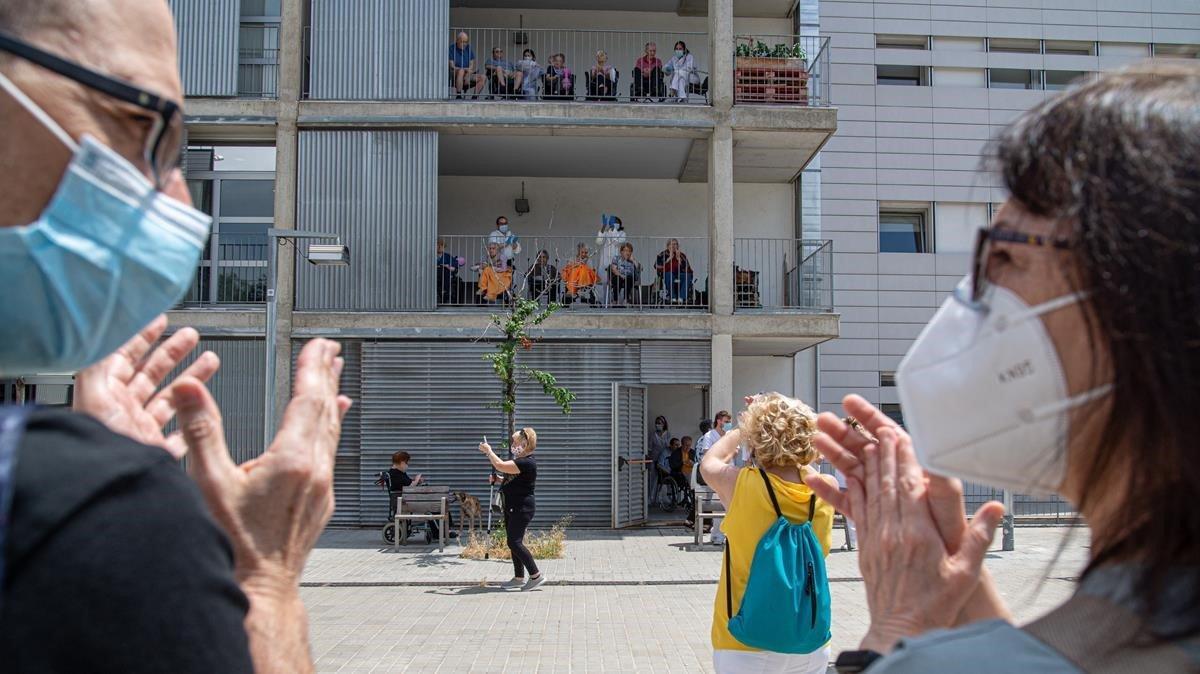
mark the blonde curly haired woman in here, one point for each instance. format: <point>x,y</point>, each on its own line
<point>778,432</point>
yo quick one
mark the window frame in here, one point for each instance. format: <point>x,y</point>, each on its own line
<point>1036,82</point>
<point>924,214</point>
<point>1005,49</point>
<point>922,78</point>
<point>900,41</point>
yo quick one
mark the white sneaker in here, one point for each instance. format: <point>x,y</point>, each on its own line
<point>515,582</point>
<point>534,582</point>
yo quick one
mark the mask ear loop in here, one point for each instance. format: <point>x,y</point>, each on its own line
<point>38,113</point>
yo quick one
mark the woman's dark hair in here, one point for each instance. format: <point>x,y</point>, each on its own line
<point>531,53</point>
<point>662,419</point>
<point>1116,161</point>
<point>681,45</point>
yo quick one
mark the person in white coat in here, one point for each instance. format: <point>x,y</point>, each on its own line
<point>509,243</point>
<point>610,238</point>
<point>682,70</point>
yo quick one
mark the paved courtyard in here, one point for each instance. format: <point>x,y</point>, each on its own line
<point>632,601</point>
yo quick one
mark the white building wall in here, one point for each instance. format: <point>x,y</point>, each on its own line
<point>923,144</point>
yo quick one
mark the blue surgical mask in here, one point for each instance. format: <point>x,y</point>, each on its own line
<point>504,229</point>
<point>728,426</point>
<point>107,255</point>
<point>679,53</point>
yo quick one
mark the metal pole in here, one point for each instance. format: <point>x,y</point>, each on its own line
<point>1007,523</point>
<point>273,241</point>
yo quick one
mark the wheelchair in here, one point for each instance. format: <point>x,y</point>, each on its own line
<point>673,491</point>
<point>594,85</point>
<point>389,530</point>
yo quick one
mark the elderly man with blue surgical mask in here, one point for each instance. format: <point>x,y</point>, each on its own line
<point>97,238</point>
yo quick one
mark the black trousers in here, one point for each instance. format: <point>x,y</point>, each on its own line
<point>517,516</point>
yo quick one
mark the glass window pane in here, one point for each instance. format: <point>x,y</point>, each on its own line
<point>1015,45</point>
<point>201,193</point>
<point>260,7</point>
<point>901,233</point>
<point>247,198</point>
<point>1059,79</point>
<point>900,75</point>
<point>1008,78</point>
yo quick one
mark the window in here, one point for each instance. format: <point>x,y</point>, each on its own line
<point>1008,78</point>
<point>1070,47</point>
<point>901,42</point>
<point>1184,51</point>
<point>258,49</point>
<point>1056,80</point>
<point>1014,45</point>
<point>894,412</point>
<point>887,379</point>
<point>909,76</point>
<point>904,231</point>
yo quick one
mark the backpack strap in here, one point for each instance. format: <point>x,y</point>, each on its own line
<point>728,583</point>
<point>770,491</point>
<point>1100,636</point>
<point>812,506</point>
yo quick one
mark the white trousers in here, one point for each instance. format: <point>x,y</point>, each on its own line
<point>766,662</point>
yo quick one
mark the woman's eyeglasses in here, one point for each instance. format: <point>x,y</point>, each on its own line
<point>163,144</point>
<point>983,247</point>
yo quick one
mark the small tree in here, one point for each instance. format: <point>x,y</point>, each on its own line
<point>515,324</point>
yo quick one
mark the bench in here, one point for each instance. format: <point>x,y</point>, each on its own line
<point>422,504</point>
<point>708,507</point>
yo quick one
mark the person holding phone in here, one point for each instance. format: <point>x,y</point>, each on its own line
<point>517,485</point>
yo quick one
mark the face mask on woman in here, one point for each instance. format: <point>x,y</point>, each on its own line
<point>108,254</point>
<point>678,53</point>
<point>984,395</point>
<point>658,426</point>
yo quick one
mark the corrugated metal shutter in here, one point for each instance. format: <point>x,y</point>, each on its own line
<point>429,398</point>
<point>629,424</point>
<point>208,46</point>
<point>347,487</point>
<point>197,160</point>
<point>379,49</point>
<point>666,362</point>
<point>378,191</point>
<point>238,389</point>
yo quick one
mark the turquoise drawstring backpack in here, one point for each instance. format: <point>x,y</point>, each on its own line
<point>786,606</point>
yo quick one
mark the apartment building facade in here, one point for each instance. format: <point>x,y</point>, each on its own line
<point>920,88</point>
<point>339,117</point>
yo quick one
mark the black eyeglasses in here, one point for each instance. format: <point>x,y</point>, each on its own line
<point>983,240</point>
<point>163,145</point>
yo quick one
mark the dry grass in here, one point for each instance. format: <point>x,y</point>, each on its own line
<point>543,544</point>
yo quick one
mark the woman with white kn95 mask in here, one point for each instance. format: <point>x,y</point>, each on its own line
<point>1068,361</point>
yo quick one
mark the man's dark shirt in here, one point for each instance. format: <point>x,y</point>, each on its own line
<point>398,479</point>
<point>114,564</point>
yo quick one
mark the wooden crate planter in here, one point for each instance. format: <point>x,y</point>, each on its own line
<point>770,80</point>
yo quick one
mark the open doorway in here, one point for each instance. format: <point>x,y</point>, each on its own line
<point>683,406</point>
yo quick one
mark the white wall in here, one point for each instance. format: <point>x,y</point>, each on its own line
<point>682,405</point>
<point>648,208</point>
<point>955,225</point>
<point>752,374</point>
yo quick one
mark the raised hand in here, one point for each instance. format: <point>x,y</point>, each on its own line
<point>122,391</point>
<point>273,507</point>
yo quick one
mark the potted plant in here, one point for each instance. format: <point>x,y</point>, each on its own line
<point>770,73</point>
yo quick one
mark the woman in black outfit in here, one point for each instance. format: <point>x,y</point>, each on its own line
<point>520,474</point>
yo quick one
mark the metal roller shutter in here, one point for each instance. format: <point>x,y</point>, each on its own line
<point>429,398</point>
<point>208,46</point>
<point>666,362</point>
<point>347,487</point>
<point>238,389</point>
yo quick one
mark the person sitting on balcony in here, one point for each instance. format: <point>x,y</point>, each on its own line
<point>558,82</point>
<point>508,241</point>
<point>504,76</point>
<point>601,79</point>
<point>495,274</point>
<point>462,66</point>
<point>531,72</point>
<point>624,273</point>
<point>676,272</point>
<point>682,70</point>
<point>447,267</point>
<point>541,277</point>
<point>578,274</point>
<point>647,75</point>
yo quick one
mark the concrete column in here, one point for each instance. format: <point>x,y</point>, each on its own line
<point>291,58</point>
<point>720,392</point>
<point>720,220</point>
<point>720,33</point>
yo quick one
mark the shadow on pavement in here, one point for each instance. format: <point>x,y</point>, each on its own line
<point>465,591</point>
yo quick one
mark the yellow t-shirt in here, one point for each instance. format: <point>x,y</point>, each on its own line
<point>748,518</point>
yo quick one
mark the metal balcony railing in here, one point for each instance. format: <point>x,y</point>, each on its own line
<point>783,69</point>
<point>1051,508</point>
<point>240,264</point>
<point>545,77</point>
<point>488,272</point>
<point>258,73</point>
<point>783,274</point>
